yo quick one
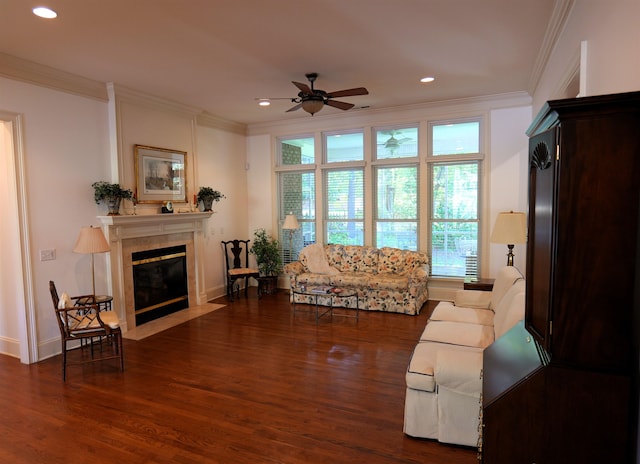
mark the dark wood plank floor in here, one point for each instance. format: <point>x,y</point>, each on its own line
<point>248,383</point>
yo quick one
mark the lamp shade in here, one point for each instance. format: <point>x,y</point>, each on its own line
<point>91,240</point>
<point>510,228</point>
<point>291,222</point>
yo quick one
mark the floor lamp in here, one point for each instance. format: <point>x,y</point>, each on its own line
<point>291,224</point>
<point>510,228</point>
<point>91,240</point>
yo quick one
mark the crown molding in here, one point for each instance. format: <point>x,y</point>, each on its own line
<point>556,24</point>
<point>125,94</point>
<point>207,119</point>
<point>30,72</point>
<point>397,114</point>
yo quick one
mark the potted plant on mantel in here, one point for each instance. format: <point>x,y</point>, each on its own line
<point>267,252</point>
<point>111,194</point>
<point>207,196</point>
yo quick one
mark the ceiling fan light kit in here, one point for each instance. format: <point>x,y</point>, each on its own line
<point>313,100</point>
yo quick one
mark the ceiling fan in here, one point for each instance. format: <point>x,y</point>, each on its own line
<point>312,100</point>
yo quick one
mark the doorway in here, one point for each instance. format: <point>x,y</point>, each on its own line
<point>17,318</point>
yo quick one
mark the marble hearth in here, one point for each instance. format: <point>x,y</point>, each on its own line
<point>129,234</point>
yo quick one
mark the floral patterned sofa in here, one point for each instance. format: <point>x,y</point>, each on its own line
<point>386,279</point>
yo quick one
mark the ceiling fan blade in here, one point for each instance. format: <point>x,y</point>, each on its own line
<point>348,92</point>
<point>297,107</point>
<point>304,88</point>
<point>339,104</point>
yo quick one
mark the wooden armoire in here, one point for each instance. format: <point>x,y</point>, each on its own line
<point>562,386</point>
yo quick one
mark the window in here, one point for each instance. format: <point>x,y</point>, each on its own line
<point>396,187</point>
<point>374,185</point>
<point>455,199</point>
<point>297,193</point>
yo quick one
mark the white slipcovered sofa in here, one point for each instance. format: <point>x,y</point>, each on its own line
<point>444,374</point>
<point>386,279</point>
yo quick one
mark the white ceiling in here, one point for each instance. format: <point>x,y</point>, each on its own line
<point>219,55</point>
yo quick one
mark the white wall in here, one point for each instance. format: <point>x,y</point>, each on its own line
<point>613,50</point>
<point>66,149</point>
<point>509,178</point>
<point>222,166</point>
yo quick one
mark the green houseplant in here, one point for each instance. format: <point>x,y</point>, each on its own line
<point>111,194</point>
<point>207,196</point>
<point>267,252</point>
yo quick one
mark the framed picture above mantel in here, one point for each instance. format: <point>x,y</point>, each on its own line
<point>160,175</point>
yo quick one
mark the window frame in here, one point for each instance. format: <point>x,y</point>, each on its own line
<point>457,159</point>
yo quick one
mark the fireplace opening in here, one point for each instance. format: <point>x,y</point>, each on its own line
<point>160,283</point>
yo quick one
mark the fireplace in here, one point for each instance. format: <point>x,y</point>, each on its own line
<point>132,234</point>
<point>160,285</point>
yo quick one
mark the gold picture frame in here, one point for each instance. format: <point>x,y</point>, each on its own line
<point>160,175</point>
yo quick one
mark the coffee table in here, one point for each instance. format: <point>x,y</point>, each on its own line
<point>327,291</point>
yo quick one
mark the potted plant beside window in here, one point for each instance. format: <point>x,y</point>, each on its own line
<point>111,194</point>
<point>207,196</point>
<point>267,252</point>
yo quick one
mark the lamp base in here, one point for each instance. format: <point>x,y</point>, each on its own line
<point>510,255</point>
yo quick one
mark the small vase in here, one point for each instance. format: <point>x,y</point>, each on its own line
<point>114,206</point>
<point>207,203</point>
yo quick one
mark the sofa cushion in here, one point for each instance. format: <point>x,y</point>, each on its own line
<point>335,255</point>
<point>389,281</point>
<point>447,311</point>
<point>473,299</point>
<point>350,279</point>
<point>308,278</point>
<point>458,333</point>
<point>391,261</point>
<point>459,371</point>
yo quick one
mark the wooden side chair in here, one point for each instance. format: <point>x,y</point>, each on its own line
<point>237,264</point>
<point>85,322</point>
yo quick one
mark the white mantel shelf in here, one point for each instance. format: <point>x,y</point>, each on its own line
<point>127,233</point>
<point>131,219</point>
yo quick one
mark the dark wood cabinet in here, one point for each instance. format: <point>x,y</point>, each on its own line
<point>579,403</point>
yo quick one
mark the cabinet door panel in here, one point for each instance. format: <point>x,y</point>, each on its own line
<point>540,242</point>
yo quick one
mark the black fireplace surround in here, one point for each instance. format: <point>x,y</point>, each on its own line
<point>160,283</point>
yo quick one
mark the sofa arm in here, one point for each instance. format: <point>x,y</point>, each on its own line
<point>419,275</point>
<point>459,371</point>
<point>293,270</point>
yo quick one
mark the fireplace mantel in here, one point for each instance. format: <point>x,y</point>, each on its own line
<point>127,232</point>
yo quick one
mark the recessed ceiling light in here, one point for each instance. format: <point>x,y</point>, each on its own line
<point>264,102</point>
<point>44,12</point>
<point>428,79</point>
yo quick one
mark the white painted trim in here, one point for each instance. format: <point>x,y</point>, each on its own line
<point>34,73</point>
<point>28,347</point>
<point>556,24</point>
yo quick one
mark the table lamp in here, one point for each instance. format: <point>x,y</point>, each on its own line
<point>510,228</point>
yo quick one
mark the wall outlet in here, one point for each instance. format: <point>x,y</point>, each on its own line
<point>48,255</point>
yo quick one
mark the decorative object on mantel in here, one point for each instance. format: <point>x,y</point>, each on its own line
<point>207,196</point>
<point>167,208</point>
<point>111,194</point>
<point>91,240</point>
<point>267,252</point>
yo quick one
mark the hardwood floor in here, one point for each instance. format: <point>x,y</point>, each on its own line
<point>248,383</point>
